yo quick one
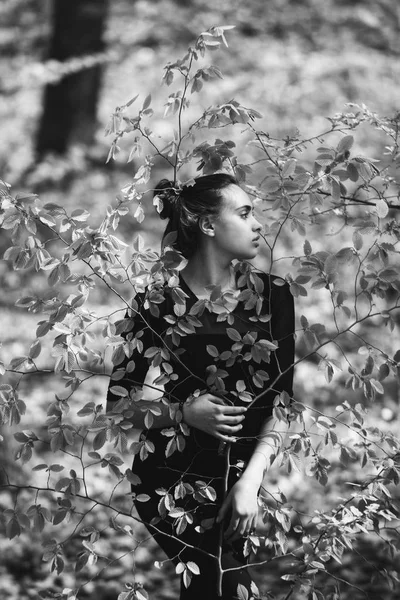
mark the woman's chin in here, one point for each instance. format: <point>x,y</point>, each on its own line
<point>252,253</point>
<point>246,255</point>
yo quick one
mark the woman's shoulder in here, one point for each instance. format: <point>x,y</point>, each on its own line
<point>276,289</point>
<point>271,281</point>
<point>158,298</point>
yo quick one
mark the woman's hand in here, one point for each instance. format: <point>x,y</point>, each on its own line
<point>242,501</point>
<point>210,414</point>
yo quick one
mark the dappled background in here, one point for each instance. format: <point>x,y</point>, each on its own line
<point>64,67</point>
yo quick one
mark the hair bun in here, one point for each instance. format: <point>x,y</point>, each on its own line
<point>169,195</point>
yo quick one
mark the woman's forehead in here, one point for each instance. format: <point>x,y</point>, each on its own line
<point>235,197</point>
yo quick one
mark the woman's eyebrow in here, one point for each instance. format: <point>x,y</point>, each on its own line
<point>245,206</point>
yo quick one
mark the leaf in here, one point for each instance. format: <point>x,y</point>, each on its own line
<point>345,255</point>
<point>139,214</point>
<point>352,172</point>
<point>131,101</point>
<point>357,240</point>
<point>193,567</point>
<point>196,86</point>
<point>272,184</point>
<point>21,437</point>
<point>345,143</point>
<point>180,567</point>
<point>57,564</point>
<point>56,468</point>
<point>347,455</point>
<point>242,592</point>
<point>17,362</point>
<point>325,422</point>
<point>240,386</point>
<point>13,528</point>
<point>80,214</point>
<point>88,409</point>
<point>382,208</point>
<point>147,102</point>
<point>377,386</point>
<point>59,516</point>
<point>99,440</point>
<point>82,561</point>
<point>384,371</point>
<point>176,512</point>
<point>187,577</point>
<point>289,168</point>
<point>283,520</point>
<point>118,390</point>
<point>388,275</point>
<point>132,477</point>
<point>35,349</point>
<point>47,219</point>
<point>212,350</point>
<point>142,498</point>
<point>307,248</point>
<point>304,322</point>
<point>310,339</point>
<point>233,334</point>
<point>335,190</point>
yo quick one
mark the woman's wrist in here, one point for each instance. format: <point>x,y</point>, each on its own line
<point>255,470</point>
<point>250,482</point>
<point>182,406</point>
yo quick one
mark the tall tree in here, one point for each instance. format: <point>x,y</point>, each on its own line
<point>70,106</point>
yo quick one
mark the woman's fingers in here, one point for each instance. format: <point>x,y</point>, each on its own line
<point>239,528</point>
<point>232,420</point>
<point>229,429</point>
<point>225,438</point>
<point>227,409</point>
<point>216,418</point>
<point>253,525</point>
<point>224,508</point>
<point>216,400</point>
<point>234,410</point>
<point>232,528</point>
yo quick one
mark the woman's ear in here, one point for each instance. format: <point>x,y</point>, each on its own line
<point>206,226</point>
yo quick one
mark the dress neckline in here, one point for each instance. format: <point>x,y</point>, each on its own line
<point>191,292</point>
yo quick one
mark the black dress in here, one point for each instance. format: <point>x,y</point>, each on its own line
<point>190,481</point>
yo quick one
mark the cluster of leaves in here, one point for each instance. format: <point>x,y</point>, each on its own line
<point>294,197</point>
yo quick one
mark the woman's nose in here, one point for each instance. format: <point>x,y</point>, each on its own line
<point>257,225</point>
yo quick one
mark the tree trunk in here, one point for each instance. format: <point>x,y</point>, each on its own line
<point>69,108</point>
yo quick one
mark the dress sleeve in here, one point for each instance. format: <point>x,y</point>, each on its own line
<point>282,329</point>
<point>138,335</point>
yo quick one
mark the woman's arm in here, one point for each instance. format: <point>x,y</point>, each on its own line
<point>206,412</point>
<point>272,437</point>
<point>242,498</point>
<point>273,431</point>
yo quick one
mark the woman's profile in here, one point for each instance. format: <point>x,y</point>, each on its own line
<point>217,336</point>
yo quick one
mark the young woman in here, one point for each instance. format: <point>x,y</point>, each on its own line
<point>218,349</point>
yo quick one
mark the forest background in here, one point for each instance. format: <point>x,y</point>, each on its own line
<point>296,62</point>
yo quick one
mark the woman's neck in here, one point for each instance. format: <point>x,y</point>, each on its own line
<point>200,273</point>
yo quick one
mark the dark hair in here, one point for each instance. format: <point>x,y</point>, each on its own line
<point>184,207</point>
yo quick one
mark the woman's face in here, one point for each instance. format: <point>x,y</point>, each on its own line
<point>236,230</point>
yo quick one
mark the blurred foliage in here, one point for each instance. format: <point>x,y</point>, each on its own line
<point>297,61</point>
